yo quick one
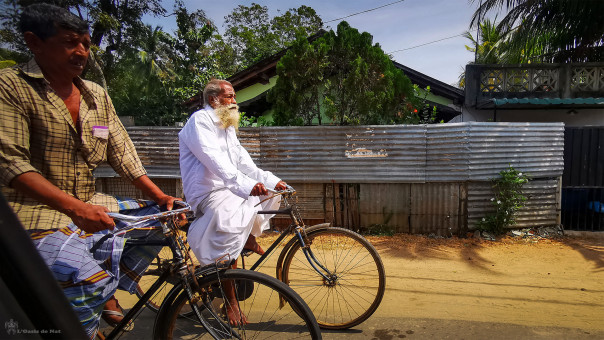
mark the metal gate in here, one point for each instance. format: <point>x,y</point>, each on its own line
<point>583,179</point>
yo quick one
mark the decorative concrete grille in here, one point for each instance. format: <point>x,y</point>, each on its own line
<point>587,79</point>
<point>491,81</point>
<point>519,80</point>
<point>545,80</point>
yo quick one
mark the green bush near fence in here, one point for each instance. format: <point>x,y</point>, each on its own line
<point>508,199</point>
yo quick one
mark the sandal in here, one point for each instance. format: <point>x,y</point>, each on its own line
<point>107,314</point>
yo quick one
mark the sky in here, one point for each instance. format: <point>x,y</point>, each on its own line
<point>399,28</point>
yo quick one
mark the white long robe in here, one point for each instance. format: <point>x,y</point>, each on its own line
<point>218,175</point>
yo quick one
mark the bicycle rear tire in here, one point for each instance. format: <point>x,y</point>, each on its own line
<point>273,310</point>
<point>361,279</point>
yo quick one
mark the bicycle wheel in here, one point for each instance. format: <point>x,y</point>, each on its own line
<point>272,309</point>
<point>357,270</point>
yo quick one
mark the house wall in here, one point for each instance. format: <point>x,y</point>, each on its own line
<point>255,90</point>
<point>436,99</point>
<point>583,117</point>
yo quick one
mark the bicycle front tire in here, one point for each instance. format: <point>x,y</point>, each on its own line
<point>272,309</point>
<point>360,279</point>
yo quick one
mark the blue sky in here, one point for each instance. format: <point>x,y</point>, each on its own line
<point>399,26</point>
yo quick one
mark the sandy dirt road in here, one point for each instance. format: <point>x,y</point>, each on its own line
<point>477,289</point>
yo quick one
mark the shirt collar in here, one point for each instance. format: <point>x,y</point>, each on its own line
<point>33,70</point>
<point>212,112</point>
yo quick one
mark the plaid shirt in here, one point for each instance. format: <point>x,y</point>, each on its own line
<point>38,134</point>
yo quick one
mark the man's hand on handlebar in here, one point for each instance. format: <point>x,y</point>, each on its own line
<point>167,201</point>
<point>259,190</point>
<point>281,186</point>
<point>91,218</point>
<point>170,203</point>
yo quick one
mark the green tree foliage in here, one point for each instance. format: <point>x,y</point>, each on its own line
<point>162,71</point>
<point>299,91</point>
<point>345,78</point>
<point>253,36</point>
<point>9,18</point>
<point>150,73</point>
<point>490,48</point>
<point>494,46</point>
<point>550,30</point>
<point>192,58</point>
<point>136,83</point>
<point>9,58</point>
<point>113,24</point>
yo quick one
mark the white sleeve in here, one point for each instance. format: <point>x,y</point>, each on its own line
<point>247,165</point>
<point>201,138</point>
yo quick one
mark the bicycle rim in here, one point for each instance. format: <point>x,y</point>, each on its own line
<point>359,284</point>
<point>272,310</point>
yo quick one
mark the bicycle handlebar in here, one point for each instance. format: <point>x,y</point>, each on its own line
<point>289,190</point>
<point>163,214</point>
<point>134,221</point>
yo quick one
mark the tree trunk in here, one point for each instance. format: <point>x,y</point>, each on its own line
<point>96,69</point>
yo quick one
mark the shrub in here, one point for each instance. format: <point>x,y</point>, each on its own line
<point>508,199</point>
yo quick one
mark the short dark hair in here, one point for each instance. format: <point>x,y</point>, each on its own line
<point>44,19</point>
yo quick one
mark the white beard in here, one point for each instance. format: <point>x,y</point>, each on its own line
<point>228,115</point>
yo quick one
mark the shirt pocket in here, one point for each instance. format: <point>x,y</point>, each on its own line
<point>96,151</point>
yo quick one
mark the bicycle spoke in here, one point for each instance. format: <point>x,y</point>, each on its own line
<point>355,284</point>
<point>255,308</point>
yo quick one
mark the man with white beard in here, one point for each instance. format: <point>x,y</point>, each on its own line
<point>221,182</point>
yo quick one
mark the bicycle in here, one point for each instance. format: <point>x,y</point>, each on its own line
<point>198,306</point>
<point>337,272</point>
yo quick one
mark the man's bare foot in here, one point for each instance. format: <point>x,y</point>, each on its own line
<point>253,245</point>
<point>235,315</point>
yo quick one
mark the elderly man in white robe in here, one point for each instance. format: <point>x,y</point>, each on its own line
<point>222,183</point>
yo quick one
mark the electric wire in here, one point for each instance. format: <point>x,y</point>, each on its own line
<point>430,42</point>
<point>365,11</point>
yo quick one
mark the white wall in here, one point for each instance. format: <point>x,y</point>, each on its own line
<point>583,117</point>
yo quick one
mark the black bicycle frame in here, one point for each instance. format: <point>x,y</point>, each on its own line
<point>306,250</point>
<point>156,285</point>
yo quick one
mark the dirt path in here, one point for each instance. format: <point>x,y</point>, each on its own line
<point>469,288</point>
<point>551,283</point>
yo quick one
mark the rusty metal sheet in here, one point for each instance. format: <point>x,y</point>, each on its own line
<point>344,154</point>
<point>435,208</point>
<point>387,204</point>
<point>356,176</point>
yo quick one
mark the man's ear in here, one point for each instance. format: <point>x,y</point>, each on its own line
<point>34,43</point>
<point>213,101</point>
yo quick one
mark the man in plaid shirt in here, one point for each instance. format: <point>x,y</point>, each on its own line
<point>56,128</point>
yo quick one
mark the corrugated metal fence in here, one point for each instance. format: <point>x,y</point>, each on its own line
<point>414,178</point>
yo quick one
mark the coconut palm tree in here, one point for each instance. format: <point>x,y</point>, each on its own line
<point>490,46</point>
<point>559,30</point>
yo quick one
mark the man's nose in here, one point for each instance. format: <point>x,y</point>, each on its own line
<point>82,50</point>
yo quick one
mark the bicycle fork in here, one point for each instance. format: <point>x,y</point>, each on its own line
<point>329,277</point>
